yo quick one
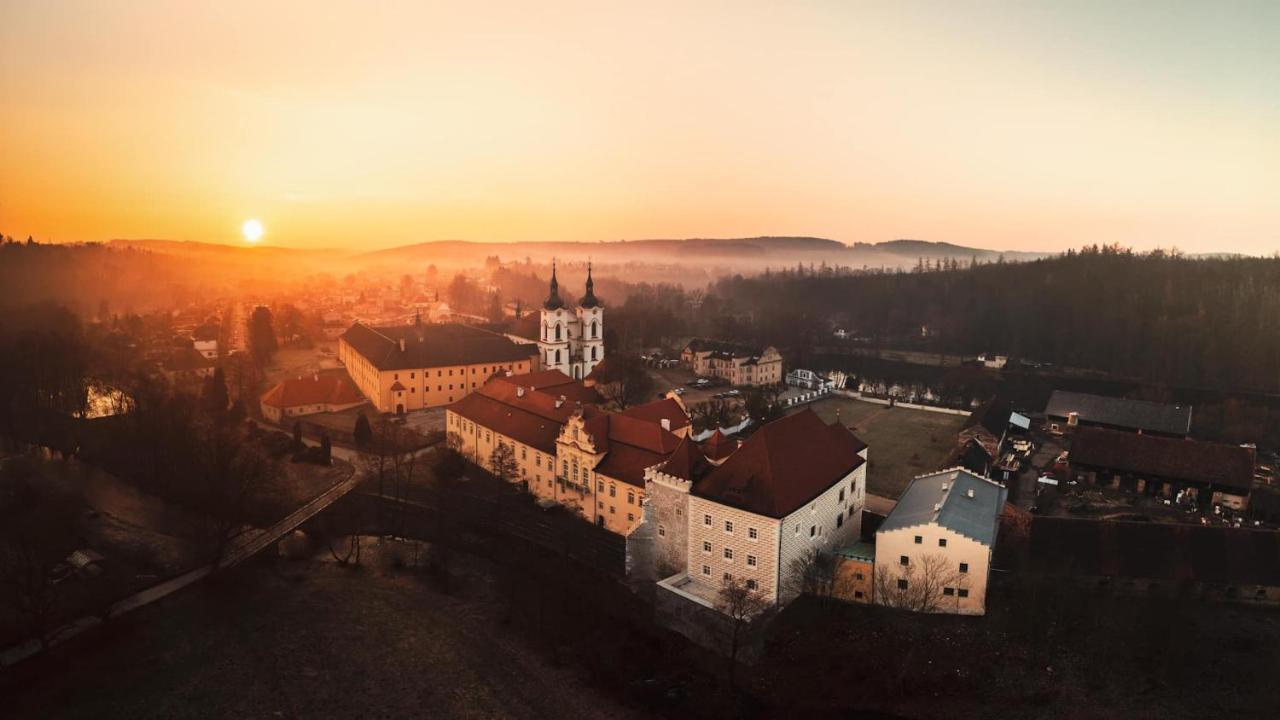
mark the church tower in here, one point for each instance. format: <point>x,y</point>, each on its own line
<point>591,323</point>
<point>571,340</point>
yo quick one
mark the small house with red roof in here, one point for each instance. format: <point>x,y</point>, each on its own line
<point>300,396</point>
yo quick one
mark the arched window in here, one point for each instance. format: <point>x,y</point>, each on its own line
<point>557,331</point>
<point>595,329</point>
<point>557,357</point>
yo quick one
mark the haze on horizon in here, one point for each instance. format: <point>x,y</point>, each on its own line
<point>1022,126</point>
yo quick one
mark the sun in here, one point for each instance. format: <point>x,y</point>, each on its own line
<point>252,231</point>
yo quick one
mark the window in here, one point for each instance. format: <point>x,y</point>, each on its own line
<point>752,533</point>
<point>706,547</point>
<point>841,494</point>
<point>613,491</point>
<point>411,376</point>
<point>902,584</point>
<point>728,553</point>
<point>942,542</point>
<point>631,517</point>
<point>631,497</point>
<point>851,509</point>
<point>858,576</point>
<point>962,592</point>
<point>599,486</point>
<point>857,594</point>
<point>728,577</point>
<point>751,584</point>
<point>813,530</point>
<point>919,539</point>
<point>964,567</point>
<point>600,504</point>
<point>662,532</point>
<point>751,560</point>
<point>706,569</point>
<point>839,521</point>
<point>728,526</point>
<point>610,509</point>
<point>904,560</point>
<point>948,591</point>
<point>706,520</point>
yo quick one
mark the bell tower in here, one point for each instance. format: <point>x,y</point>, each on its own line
<point>553,335</point>
<point>591,323</point>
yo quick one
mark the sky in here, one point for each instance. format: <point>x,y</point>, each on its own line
<point>1004,125</point>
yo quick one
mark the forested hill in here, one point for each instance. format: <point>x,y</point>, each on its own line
<point>1166,319</point>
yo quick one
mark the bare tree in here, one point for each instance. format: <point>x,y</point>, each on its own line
<point>741,604</point>
<point>231,474</point>
<point>624,381</point>
<point>712,413</point>
<point>502,462</point>
<point>918,586</point>
<point>38,528</point>
<point>813,573</point>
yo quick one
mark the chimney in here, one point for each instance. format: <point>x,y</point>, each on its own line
<point>559,401</point>
<point>666,424</point>
<point>401,344</point>
<point>969,493</point>
<point>519,391</point>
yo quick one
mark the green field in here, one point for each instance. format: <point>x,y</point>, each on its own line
<point>902,443</point>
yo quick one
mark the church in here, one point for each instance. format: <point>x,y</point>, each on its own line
<point>571,340</point>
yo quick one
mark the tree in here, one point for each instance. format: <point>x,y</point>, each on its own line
<point>813,572</point>
<point>262,336</point>
<point>213,396</point>
<point>761,404</point>
<point>502,462</point>
<point>38,528</point>
<point>917,586</point>
<point>230,475</point>
<point>495,311</point>
<point>711,414</point>
<point>741,604</point>
<point>363,432</point>
<point>297,435</point>
<point>326,449</point>
<point>449,464</point>
<point>623,380</point>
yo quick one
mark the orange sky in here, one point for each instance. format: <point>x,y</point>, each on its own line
<point>1013,126</point>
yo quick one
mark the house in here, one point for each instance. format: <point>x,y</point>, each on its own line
<point>402,368</point>
<point>736,364</point>
<point>795,486</point>
<point>204,338</point>
<point>300,396</point>
<point>186,364</point>
<point>809,380</point>
<point>1169,559</point>
<point>566,449</point>
<point>1070,409</point>
<point>1202,473</point>
<point>933,551</point>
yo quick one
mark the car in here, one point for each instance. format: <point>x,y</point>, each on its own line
<point>678,391</point>
<point>732,393</point>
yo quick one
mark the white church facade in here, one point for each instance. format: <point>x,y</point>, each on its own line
<point>571,340</point>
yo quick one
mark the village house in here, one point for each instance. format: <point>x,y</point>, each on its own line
<point>563,447</point>
<point>1067,410</point>
<point>301,396</point>
<point>933,551</point>
<point>735,364</point>
<point>980,442</point>
<point>794,487</point>
<point>186,365</point>
<point>808,379</point>
<point>410,367</point>
<point>1202,473</point>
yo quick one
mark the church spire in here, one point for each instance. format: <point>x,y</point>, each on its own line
<point>589,300</point>
<point>553,300</point>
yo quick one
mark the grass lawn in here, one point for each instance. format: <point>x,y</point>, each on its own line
<point>302,640</point>
<point>902,443</point>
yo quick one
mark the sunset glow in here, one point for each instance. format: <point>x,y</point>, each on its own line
<point>1028,125</point>
<point>252,231</point>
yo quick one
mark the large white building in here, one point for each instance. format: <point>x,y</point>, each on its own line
<point>797,485</point>
<point>571,340</point>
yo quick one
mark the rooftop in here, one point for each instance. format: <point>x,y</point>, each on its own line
<point>944,498</point>
<point>314,390</point>
<point>784,465</point>
<point>1170,458</point>
<point>1121,413</point>
<point>433,345</point>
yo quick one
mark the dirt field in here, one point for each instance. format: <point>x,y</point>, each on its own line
<point>902,443</point>
<point>303,640</point>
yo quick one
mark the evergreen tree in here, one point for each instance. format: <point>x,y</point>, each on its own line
<point>363,431</point>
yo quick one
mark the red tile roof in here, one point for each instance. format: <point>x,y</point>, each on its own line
<point>1169,458</point>
<point>687,462</point>
<point>316,390</point>
<point>659,410</point>
<point>719,446</point>
<point>784,465</point>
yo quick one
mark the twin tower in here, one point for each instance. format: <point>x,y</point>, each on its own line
<point>572,340</point>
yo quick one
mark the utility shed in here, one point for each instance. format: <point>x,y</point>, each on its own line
<point>1139,416</point>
